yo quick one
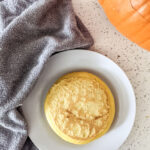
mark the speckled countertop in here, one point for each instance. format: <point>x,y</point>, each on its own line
<point>132,59</point>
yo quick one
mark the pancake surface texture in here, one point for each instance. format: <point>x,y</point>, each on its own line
<point>79,107</point>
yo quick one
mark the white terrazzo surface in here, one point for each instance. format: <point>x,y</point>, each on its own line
<point>132,59</point>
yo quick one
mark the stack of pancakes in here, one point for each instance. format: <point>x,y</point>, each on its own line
<point>79,107</point>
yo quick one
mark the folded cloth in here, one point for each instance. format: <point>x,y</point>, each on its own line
<point>30,32</point>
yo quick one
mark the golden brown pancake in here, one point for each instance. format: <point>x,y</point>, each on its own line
<point>79,107</point>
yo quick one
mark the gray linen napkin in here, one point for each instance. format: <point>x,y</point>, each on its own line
<point>30,32</point>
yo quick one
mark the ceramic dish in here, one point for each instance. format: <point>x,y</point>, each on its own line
<point>81,60</point>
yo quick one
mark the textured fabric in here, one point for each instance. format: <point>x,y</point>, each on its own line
<point>30,32</point>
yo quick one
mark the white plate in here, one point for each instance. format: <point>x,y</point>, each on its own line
<point>81,60</point>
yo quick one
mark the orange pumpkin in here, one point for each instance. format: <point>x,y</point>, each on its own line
<point>131,18</point>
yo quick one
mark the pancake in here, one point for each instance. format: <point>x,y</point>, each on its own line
<point>79,107</point>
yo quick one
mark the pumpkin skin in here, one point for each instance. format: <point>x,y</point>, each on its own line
<point>131,18</point>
